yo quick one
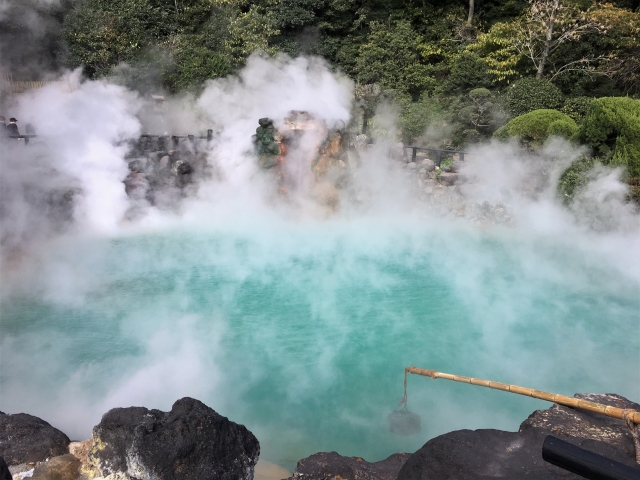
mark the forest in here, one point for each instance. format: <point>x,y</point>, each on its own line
<point>476,69</point>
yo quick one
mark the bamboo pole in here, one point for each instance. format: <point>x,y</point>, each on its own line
<point>622,414</point>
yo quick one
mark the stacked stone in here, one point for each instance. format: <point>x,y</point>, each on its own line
<point>268,144</point>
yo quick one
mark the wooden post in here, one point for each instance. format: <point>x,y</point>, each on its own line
<point>439,158</point>
<point>414,152</point>
<point>209,135</point>
<point>175,141</point>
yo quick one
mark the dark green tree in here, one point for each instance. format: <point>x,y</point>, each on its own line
<point>390,58</point>
<point>612,129</point>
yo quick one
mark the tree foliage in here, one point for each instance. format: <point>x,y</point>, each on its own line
<point>531,94</point>
<point>469,65</point>
<point>390,58</point>
<point>612,129</point>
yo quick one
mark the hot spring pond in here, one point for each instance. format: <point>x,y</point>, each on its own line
<point>302,332</point>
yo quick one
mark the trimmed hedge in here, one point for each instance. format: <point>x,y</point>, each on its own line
<point>577,107</point>
<point>612,129</point>
<point>535,127</point>
<point>531,94</point>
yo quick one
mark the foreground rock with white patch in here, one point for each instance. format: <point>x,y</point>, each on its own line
<point>191,442</point>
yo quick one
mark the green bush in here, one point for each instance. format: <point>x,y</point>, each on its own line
<point>577,108</point>
<point>533,128</point>
<point>612,129</point>
<point>530,94</point>
<point>574,178</point>
<point>566,128</point>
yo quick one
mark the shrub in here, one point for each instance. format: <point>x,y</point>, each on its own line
<point>612,129</point>
<point>577,108</point>
<point>565,127</point>
<point>531,94</point>
<point>574,178</point>
<point>535,127</point>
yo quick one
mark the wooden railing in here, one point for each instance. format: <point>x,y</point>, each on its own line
<point>439,152</point>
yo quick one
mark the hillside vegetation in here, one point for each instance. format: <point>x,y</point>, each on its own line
<point>527,69</point>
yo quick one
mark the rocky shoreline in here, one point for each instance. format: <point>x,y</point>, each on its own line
<point>192,441</point>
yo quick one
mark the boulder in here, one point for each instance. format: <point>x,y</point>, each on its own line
<point>323,466</point>
<point>25,439</point>
<point>446,178</point>
<point>64,467</point>
<point>5,474</point>
<point>428,165</point>
<point>456,165</point>
<point>397,152</point>
<point>467,454</point>
<point>191,442</point>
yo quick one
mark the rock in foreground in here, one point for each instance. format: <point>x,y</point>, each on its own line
<point>467,454</point>
<point>322,466</point>
<point>191,442</point>
<point>5,474</point>
<point>64,467</point>
<point>28,439</point>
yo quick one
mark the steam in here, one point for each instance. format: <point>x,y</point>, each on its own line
<point>247,299</point>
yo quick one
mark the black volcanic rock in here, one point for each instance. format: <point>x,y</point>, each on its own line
<point>5,474</point>
<point>191,442</point>
<point>25,438</point>
<point>484,454</point>
<point>322,466</point>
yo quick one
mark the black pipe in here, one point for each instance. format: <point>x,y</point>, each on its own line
<point>585,463</point>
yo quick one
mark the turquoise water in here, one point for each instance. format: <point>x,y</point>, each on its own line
<point>302,332</point>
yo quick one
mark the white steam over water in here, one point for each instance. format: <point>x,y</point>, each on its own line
<point>293,320</point>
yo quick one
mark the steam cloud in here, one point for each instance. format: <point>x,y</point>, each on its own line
<point>235,226</point>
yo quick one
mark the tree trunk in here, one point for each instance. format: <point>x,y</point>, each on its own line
<point>470,17</point>
<point>551,23</point>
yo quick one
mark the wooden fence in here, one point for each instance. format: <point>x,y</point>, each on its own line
<point>13,87</point>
